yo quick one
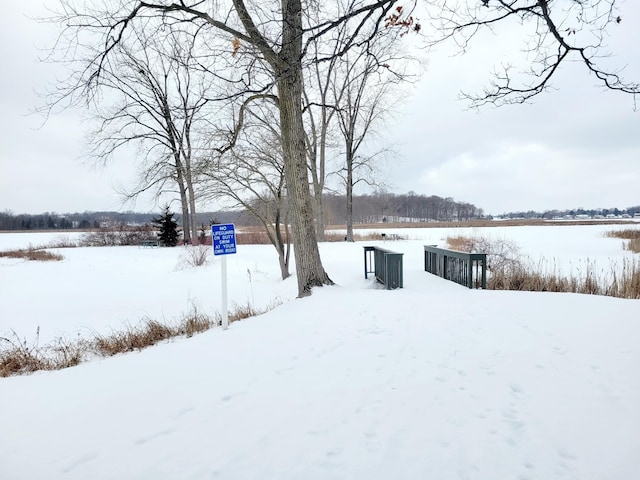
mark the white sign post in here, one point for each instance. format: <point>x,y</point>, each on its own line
<point>223,239</point>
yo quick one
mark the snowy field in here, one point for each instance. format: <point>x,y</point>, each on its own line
<point>433,381</point>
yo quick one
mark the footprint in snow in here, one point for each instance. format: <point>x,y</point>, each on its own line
<point>516,388</point>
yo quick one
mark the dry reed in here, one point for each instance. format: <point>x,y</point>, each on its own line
<point>631,235</point>
<point>20,356</point>
<point>32,253</point>
<point>509,271</point>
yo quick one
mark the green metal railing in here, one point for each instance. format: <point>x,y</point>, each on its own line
<point>467,269</point>
<point>385,264</point>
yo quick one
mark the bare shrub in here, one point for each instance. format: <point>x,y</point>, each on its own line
<point>194,323</point>
<point>194,256</point>
<point>362,237</point>
<point>61,242</point>
<point>503,256</point>
<point>117,237</point>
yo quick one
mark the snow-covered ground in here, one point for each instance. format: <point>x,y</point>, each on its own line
<point>433,381</point>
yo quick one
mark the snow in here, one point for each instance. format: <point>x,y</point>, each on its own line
<point>432,381</point>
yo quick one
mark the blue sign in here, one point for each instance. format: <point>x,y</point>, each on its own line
<point>223,239</point>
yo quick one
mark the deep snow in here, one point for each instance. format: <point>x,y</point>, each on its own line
<point>433,381</point>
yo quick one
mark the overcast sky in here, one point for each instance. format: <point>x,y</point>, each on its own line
<point>576,146</point>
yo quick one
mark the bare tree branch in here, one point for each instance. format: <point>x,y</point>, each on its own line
<point>565,30</point>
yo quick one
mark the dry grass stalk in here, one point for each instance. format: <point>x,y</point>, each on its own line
<point>630,234</point>
<point>32,253</point>
<point>18,357</point>
<point>133,338</point>
<point>634,245</point>
<point>626,234</point>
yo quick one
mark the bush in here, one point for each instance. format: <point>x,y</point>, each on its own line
<point>117,237</point>
<point>195,256</point>
<point>502,255</point>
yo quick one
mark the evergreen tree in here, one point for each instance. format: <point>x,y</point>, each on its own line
<point>168,226</point>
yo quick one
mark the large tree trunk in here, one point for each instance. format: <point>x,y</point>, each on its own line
<point>309,269</point>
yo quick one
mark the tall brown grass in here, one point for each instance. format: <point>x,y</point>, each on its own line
<point>32,253</point>
<point>21,356</point>
<point>630,234</point>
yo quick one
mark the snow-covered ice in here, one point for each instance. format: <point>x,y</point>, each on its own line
<point>432,381</point>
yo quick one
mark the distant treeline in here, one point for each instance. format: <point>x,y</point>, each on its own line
<point>95,220</point>
<point>575,212</point>
<point>374,208</point>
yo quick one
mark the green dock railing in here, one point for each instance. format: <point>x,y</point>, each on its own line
<point>468,269</point>
<point>385,264</point>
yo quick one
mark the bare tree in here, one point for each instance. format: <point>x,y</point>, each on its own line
<point>557,32</point>
<point>320,110</point>
<point>251,174</point>
<point>319,114</point>
<point>364,91</point>
<point>152,97</point>
<point>346,94</point>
